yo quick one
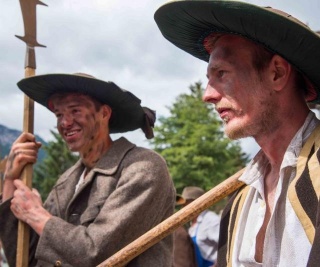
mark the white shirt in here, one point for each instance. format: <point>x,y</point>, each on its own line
<point>286,243</point>
<point>206,230</point>
<point>81,181</point>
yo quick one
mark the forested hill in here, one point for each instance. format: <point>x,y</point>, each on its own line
<point>8,136</point>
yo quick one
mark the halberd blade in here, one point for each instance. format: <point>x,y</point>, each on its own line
<point>28,8</point>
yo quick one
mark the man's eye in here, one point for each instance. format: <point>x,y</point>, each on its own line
<point>221,73</point>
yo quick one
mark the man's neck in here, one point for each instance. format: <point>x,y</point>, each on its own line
<point>94,152</point>
<point>275,144</point>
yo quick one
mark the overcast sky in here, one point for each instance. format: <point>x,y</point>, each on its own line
<point>112,40</point>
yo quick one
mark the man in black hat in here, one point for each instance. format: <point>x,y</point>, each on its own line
<point>263,69</point>
<point>111,196</point>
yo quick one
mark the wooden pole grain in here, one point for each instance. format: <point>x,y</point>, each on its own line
<point>22,259</point>
<point>168,226</point>
<point>2,168</point>
<point>28,9</point>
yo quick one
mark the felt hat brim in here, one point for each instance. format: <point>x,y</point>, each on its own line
<point>180,200</point>
<point>127,113</point>
<point>187,23</point>
<point>189,193</point>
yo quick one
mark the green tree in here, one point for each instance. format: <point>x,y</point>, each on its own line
<point>192,141</point>
<point>58,159</point>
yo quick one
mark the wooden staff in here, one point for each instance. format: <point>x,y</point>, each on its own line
<point>168,226</point>
<point>22,258</point>
<point>28,8</point>
<point>2,168</point>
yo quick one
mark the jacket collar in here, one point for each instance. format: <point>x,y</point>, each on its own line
<point>107,165</point>
<point>64,190</point>
<point>110,161</point>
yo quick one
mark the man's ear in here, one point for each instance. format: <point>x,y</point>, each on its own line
<point>106,111</point>
<point>280,71</point>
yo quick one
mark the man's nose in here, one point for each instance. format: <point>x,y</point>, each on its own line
<point>66,121</point>
<point>211,95</point>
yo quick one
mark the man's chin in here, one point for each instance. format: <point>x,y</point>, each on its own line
<point>235,132</point>
<point>72,147</point>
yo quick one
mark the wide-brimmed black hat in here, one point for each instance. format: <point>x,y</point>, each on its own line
<point>187,23</point>
<point>127,113</point>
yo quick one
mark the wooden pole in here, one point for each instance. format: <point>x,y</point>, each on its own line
<point>23,228</point>
<point>2,168</point>
<point>168,226</point>
<point>28,8</point>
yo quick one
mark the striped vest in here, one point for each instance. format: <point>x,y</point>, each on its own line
<point>303,194</point>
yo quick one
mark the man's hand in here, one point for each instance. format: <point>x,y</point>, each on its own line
<point>23,151</point>
<point>26,205</point>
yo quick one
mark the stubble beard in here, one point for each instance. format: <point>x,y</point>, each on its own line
<point>263,124</point>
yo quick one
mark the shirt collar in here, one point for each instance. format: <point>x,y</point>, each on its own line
<point>200,217</point>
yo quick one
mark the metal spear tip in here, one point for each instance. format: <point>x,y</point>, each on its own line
<point>40,3</point>
<point>30,41</point>
<point>28,8</point>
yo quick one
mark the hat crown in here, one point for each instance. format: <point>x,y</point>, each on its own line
<point>192,192</point>
<point>84,75</point>
<point>288,16</point>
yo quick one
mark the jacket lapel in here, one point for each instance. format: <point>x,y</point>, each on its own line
<point>64,190</point>
<point>304,190</point>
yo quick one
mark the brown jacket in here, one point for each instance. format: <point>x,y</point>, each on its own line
<point>183,249</point>
<point>126,194</point>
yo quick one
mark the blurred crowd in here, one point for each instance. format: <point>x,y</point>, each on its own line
<point>196,245</point>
